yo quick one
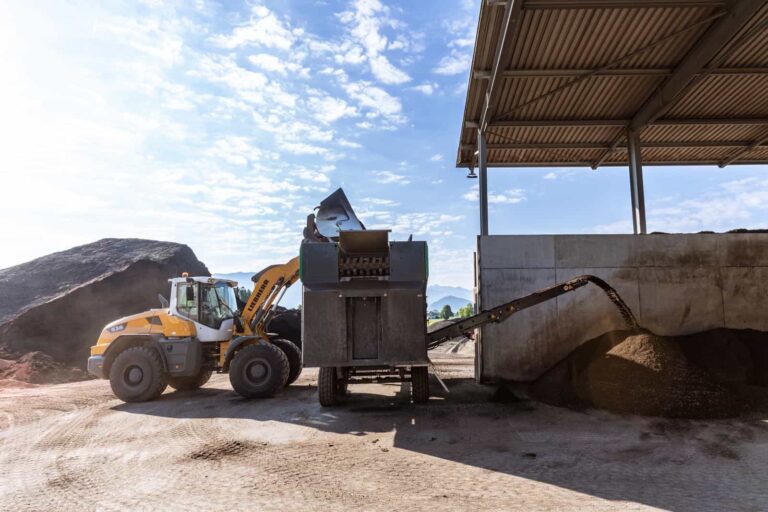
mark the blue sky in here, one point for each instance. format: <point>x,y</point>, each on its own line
<point>221,124</point>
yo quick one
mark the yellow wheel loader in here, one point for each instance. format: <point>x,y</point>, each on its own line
<point>204,328</point>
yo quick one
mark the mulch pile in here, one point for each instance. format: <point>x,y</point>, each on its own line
<point>54,307</point>
<point>713,374</point>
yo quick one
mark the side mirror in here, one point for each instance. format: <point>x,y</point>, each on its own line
<point>190,294</point>
<point>163,301</point>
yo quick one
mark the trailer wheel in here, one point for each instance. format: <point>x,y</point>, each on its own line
<point>259,370</point>
<point>137,375</point>
<point>190,383</point>
<point>293,353</point>
<point>420,384</point>
<point>328,385</point>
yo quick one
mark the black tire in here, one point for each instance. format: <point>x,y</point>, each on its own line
<point>420,384</point>
<point>293,353</point>
<point>259,370</point>
<point>137,375</point>
<point>328,386</point>
<point>190,383</point>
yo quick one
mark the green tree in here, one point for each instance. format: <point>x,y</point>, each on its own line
<point>433,315</point>
<point>466,311</point>
<point>446,312</point>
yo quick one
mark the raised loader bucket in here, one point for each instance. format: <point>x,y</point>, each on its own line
<point>335,214</point>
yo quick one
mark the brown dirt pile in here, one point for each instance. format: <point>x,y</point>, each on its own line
<point>58,304</point>
<point>714,374</point>
<point>36,368</point>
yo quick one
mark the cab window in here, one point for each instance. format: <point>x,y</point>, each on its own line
<point>187,306</point>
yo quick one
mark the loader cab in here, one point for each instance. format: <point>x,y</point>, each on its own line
<point>209,303</point>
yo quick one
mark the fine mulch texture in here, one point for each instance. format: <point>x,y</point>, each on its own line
<point>713,374</point>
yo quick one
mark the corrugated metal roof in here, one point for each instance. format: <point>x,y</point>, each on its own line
<point>571,75</point>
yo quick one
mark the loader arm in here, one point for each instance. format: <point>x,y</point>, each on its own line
<point>504,311</point>
<point>269,285</point>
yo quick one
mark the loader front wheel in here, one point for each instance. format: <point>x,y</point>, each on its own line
<point>259,370</point>
<point>293,353</point>
<point>190,383</point>
<point>137,375</point>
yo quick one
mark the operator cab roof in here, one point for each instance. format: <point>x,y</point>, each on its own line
<point>203,279</point>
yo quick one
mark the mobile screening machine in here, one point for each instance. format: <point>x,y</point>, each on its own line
<point>204,328</point>
<point>364,304</point>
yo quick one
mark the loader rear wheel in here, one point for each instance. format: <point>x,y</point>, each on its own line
<point>259,370</point>
<point>328,386</point>
<point>420,384</point>
<point>293,353</point>
<point>190,383</point>
<point>137,375</point>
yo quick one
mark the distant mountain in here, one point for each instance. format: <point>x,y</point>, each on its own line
<point>455,302</point>
<point>436,291</point>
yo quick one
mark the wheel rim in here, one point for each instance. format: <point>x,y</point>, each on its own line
<point>257,372</point>
<point>133,375</point>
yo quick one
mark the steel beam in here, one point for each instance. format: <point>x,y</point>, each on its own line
<point>482,160</point>
<point>636,187</point>
<point>501,59</point>
<point>570,163</point>
<point>596,146</point>
<point>547,73</point>
<point>743,152</point>
<point>619,4</point>
<point>714,39</point>
<point>577,123</point>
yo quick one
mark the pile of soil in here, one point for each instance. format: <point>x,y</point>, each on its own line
<point>287,324</point>
<point>713,374</point>
<point>59,303</point>
<point>36,368</point>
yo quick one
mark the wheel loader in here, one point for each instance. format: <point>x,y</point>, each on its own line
<point>205,327</point>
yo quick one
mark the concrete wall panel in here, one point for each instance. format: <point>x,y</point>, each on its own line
<point>518,251</point>
<point>675,284</point>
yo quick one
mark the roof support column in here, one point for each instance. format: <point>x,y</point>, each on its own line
<point>636,183</point>
<point>482,161</point>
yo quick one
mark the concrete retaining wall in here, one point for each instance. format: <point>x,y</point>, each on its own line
<point>675,284</point>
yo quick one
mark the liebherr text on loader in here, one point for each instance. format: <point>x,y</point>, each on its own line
<point>201,330</point>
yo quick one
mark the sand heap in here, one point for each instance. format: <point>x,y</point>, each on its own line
<point>58,304</point>
<point>714,374</point>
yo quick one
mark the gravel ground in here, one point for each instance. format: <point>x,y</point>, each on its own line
<point>75,447</point>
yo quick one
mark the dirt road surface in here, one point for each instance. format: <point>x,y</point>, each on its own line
<point>75,447</point>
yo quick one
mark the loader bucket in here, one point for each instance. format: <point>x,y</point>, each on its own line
<point>335,214</point>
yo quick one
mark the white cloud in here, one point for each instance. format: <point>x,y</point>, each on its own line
<point>263,29</point>
<point>274,64</point>
<point>377,101</point>
<point>389,177</point>
<point>235,150</point>
<point>426,88</point>
<point>329,109</point>
<point>349,144</point>
<point>456,62</point>
<point>365,22</point>
<point>550,176</point>
<point>512,196</point>
<point>379,202</point>
<point>436,158</point>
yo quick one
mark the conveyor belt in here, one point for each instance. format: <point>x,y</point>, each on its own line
<point>501,313</point>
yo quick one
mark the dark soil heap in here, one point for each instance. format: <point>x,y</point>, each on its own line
<point>286,324</point>
<point>713,374</point>
<point>59,303</point>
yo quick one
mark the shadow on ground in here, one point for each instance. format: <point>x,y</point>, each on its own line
<point>676,465</point>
